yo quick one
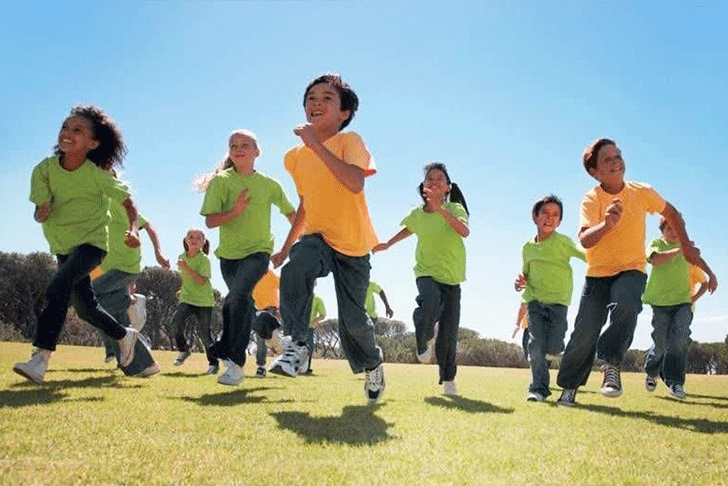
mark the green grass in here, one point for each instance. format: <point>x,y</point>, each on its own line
<point>88,424</point>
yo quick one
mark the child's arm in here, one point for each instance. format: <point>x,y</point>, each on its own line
<point>196,277</point>
<point>350,176</point>
<point>459,226</point>
<point>699,293</point>
<point>132,234</point>
<point>591,235</point>
<point>155,243</point>
<point>676,222</point>
<point>661,257</point>
<point>218,219</point>
<point>521,313</point>
<point>41,212</point>
<point>521,282</point>
<point>388,310</point>
<point>401,235</point>
<point>297,225</point>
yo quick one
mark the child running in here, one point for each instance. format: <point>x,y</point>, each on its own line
<point>440,225</point>
<point>71,192</point>
<point>267,318</point>
<point>547,279</point>
<point>329,169</point>
<point>195,297</point>
<point>669,293</point>
<point>238,200</point>
<point>612,230</point>
<point>371,304</point>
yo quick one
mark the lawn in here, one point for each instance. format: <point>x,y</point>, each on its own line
<point>88,424</point>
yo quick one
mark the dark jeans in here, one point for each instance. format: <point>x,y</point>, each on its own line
<point>179,321</point>
<point>438,302</point>
<point>310,259</point>
<point>546,330</point>
<point>112,292</point>
<point>238,309</point>
<point>670,343</point>
<point>72,285</point>
<point>620,298</point>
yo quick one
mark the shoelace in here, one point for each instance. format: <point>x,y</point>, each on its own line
<point>373,377</point>
<point>611,377</point>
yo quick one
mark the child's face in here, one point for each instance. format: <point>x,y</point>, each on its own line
<point>323,107</point>
<point>242,150</point>
<point>76,136</point>
<point>195,240</point>
<point>436,182</point>
<point>548,219</point>
<point>610,166</point>
<point>669,234</point>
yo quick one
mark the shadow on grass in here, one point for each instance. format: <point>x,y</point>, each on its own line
<point>466,405</point>
<point>711,397</point>
<point>26,393</point>
<point>703,426</point>
<point>180,374</point>
<point>694,402</point>
<point>235,396</point>
<point>357,425</point>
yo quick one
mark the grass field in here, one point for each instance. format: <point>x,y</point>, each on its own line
<point>88,424</point>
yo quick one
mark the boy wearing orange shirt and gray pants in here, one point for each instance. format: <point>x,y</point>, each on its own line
<point>612,230</point>
<point>328,169</point>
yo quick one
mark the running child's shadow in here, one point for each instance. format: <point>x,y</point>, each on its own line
<point>703,426</point>
<point>694,402</point>
<point>466,405</point>
<point>25,393</point>
<point>235,396</point>
<point>357,425</point>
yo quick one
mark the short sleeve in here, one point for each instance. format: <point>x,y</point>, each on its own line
<point>654,202</point>
<point>589,212</point>
<point>40,189</point>
<point>356,153</point>
<point>212,203</point>
<point>281,200</point>
<point>205,267</point>
<point>652,249</point>
<point>410,221</point>
<point>457,210</point>
<point>112,187</point>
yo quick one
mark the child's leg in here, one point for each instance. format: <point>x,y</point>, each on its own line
<point>309,259</point>
<point>625,303</point>
<point>356,331</point>
<point>204,318</point>
<point>427,311</point>
<point>179,321</point>
<point>656,353</point>
<point>578,356</point>
<point>112,292</point>
<point>309,345</point>
<point>524,343</point>
<point>261,352</point>
<point>678,344</point>
<point>447,334</point>
<point>538,323</point>
<point>556,331</point>
<point>238,307</point>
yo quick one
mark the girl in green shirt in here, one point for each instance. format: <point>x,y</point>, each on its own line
<point>440,225</point>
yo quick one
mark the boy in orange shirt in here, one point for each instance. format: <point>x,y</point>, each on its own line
<point>328,169</point>
<point>612,230</point>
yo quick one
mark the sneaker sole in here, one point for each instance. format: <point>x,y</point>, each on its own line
<point>27,375</point>
<point>149,372</point>
<point>566,404</point>
<point>126,362</point>
<point>278,370</point>
<point>611,393</point>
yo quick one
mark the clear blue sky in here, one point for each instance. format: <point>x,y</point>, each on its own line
<point>506,94</point>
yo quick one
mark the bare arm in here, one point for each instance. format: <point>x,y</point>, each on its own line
<point>196,277</point>
<point>298,222</point>
<point>591,235</point>
<point>155,243</point>
<point>401,235</point>
<point>41,212</point>
<point>662,257</point>
<point>132,234</point>
<point>218,219</point>
<point>699,293</point>
<point>460,227</point>
<point>388,310</point>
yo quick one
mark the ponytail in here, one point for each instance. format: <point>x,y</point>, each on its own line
<point>456,196</point>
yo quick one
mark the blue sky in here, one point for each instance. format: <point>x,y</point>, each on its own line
<point>507,94</point>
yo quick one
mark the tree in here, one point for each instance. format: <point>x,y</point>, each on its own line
<point>160,287</point>
<point>23,283</point>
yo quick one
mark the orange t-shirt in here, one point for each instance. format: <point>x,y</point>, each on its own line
<point>265,293</point>
<point>623,248</point>
<point>338,215</point>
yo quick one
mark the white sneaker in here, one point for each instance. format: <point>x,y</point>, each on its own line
<point>126,346</point>
<point>429,355</point>
<point>535,397</point>
<point>36,367</point>
<point>677,391</point>
<point>233,374</point>
<point>374,384</point>
<point>293,361</point>
<point>181,357</point>
<point>449,388</point>
<point>150,370</point>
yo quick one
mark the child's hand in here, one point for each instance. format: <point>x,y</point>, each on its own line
<point>242,202</point>
<point>277,259</point>
<point>520,282</point>
<point>380,247</point>
<point>132,239</point>
<point>389,312</point>
<point>181,264</point>
<point>712,282</point>
<point>161,260</point>
<point>613,213</point>
<point>433,200</point>
<point>307,134</point>
<point>42,212</point>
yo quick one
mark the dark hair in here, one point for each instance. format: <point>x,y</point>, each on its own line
<point>550,199</point>
<point>455,195</point>
<point>591,152</point>
<point>663,223</point>
<point>111,149</point>
<point>349,100</point>
<point>205,246</point>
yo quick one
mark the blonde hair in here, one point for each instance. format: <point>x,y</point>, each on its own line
<point>205,245</point>
<point>200,183</point>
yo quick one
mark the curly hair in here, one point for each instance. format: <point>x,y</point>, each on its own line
<point>111,149</point>
<point>349,99</point>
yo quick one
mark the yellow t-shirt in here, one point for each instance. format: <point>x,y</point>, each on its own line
<point>697,276</point>
<point>623,248</point>
<point>338,215</point>
<point>265,292</point>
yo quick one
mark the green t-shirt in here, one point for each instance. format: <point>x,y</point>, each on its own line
<point>546,265</point>
<point>317,309</point>
<point>193,293</point>
<point>249,232</point>
<point>80,203</point>
<point>121,256</point>
<point>669,283</point>
<point>440,252</point>
<point>369,304</point>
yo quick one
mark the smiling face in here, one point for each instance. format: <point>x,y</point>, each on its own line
<point>668,233</point>
<point>194,240</point>
<point>243,150</point>
<point>76,137</point>
<point>547,220</point>
<point>323,108</point>
<point>436,182</point>
<point>610,168</point>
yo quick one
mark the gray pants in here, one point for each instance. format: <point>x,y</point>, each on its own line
<point>312,258</point>
<point>112,292</point>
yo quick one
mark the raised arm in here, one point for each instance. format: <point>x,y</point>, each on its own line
<point>151,232</point>
<point>218,219</point>
<point>196,277</point>
<point>591,235</point>
<point>132,234</point>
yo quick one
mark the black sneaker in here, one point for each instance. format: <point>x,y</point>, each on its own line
<point>374,384</point>
<point>181,357</point>
<point>650,383</point>
<point>260,372</point>
<point>612,384</point>
<point>567,398</point>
